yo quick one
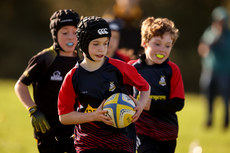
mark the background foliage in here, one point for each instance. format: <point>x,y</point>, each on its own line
<point>25,29</point>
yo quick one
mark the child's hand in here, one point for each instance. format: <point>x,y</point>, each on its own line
<point>139,108</point>
<point>99,115</point>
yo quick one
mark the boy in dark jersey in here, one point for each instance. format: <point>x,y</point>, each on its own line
<point>157,127</point>
<point>89,83</point>
<point>46,71</point>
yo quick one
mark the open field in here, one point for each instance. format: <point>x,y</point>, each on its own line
<point>16,134</point>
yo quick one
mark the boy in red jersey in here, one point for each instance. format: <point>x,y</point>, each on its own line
<point>89,83</point>
<point>157,127</point>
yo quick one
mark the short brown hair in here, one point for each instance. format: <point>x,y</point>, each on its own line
<point>152,27</point>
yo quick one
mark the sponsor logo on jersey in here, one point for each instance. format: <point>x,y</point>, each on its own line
<point>89,109</point>
<point>157,97</point>
<point>102,31</point>
<point>56,76</point>
<point>84,92</point>
<point>162,81</point>
<point>154,97</point>
<point>112,87</point>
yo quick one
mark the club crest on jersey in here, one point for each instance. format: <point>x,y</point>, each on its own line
<point>102,31</point>
<point>112,87</point>
<point>89,109</point>
<point>56,76</point>
<point>162,81</point>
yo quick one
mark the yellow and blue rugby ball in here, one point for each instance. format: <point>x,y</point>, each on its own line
<point>120,109</point>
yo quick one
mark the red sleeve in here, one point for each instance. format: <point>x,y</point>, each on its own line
<point>67,95</point>
<point>130,75</point>
<point>122,56</point>
<point>176,82</point>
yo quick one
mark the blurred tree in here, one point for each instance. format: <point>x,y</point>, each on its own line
<point>22,31</point>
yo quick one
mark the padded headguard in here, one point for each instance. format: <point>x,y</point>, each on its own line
<point>90,28</point>
<point>59,19</point>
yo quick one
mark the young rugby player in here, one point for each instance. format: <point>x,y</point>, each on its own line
<point>157,127</point>
<point>46,71</point>
<point>89,83</point>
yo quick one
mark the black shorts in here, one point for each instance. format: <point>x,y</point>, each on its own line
<point>149,145</point>
<point>57,140</point>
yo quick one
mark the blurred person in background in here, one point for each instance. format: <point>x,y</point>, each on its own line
<point>214,49</point>
<point>46,71</point>
<point>113,49</point>
<point>129,12</point>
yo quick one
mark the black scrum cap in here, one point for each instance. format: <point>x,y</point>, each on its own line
<point>89,28</point>
<point>62,18</point>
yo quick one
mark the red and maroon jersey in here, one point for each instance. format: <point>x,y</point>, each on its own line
<point>167,97</point>
<point>84,91</point>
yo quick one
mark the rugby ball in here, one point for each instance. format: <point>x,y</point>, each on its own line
<point>120,109</point>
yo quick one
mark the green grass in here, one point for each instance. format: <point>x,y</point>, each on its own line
<point>192,127</point>
<point>16,133</point>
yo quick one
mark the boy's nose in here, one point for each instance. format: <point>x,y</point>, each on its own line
<point>72,36</point>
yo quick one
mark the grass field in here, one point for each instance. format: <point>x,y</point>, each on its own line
<point>16,134</point>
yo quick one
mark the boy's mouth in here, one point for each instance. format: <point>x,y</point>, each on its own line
<point>100,56</point>
<point>160,56</point>
<point>70,44</point>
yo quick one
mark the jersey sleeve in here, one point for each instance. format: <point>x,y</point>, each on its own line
<point>176,82</point>
<point>131,76</point>
<point>37,66</point>
<point>67,95</point>
<point>33,71</point>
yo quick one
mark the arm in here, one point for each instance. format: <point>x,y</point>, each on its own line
<point>133,78</point>
<point>210,36</point>
<point>173,105</point>
<point>38,120</point>
<point>203,49</point>
<point>23,94</point>
<point>67,100</point>
<point>144,97</point>
<point>75,117</point>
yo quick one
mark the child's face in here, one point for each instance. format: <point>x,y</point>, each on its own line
<point>67,38</point>
<point>98,48</point>
<point>113,43</point>
<point>158,49</point>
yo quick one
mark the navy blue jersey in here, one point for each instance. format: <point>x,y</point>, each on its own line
<point>167,97</point>
<point>84,91</point>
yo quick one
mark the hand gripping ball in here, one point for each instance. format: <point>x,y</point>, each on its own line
<point>120,109</point>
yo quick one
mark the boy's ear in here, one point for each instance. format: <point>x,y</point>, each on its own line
<point>144,45</point>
